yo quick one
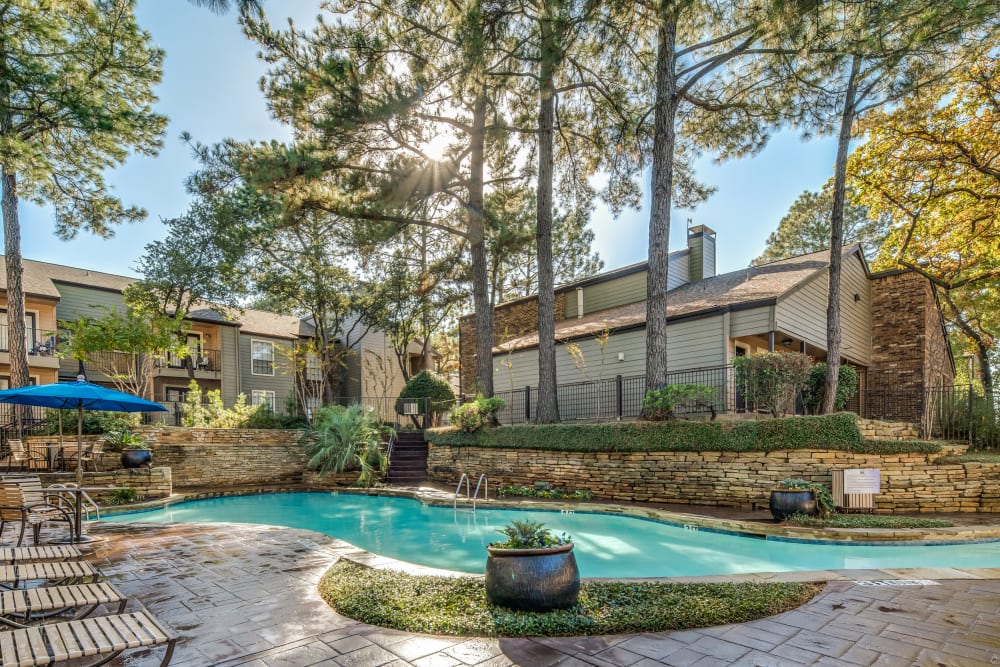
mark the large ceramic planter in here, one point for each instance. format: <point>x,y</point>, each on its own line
<point>532,579</point>
<point>137,458</point>
<point>786,502</point>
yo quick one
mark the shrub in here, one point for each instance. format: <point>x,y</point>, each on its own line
<point>659,404</point>
<point>838,432</point>
<point>427,386</point>
<point>123,496</point>
<point>529,535</point>
<point>116,441</point>
<point>771,380</point>
<point>815,389</point>
<point>95,422</point>
<point>472,417</point>
<point>347,438</point>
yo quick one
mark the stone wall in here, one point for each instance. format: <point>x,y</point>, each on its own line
<point>910,482</point>
<point>873,429</point>
<point>207,457</point>
<point>510,320</point>
<point>149,484</point>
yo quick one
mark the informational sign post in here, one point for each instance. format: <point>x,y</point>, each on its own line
<point>862,480</point>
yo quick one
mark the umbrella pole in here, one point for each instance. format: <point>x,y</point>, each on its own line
<point>79,445</point>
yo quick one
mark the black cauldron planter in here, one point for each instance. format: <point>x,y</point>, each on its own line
<point>137,458</point>
<point>534,574</point>
<point>786,502</point>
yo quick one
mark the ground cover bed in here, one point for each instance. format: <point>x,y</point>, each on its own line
<point>867,521</point>
<point>458,606</point>
<point>972,457</point>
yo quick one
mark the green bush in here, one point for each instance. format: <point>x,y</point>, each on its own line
<point>771,380</point>
<point>889,447</point>
<point>116,441</point>
<point>867,521</point>
<point>123,496</point>
<point>659,404</point>
<point>838,431</point>
<point>347,438</point>
<point>427,386</point>
<point>529,535</point>
<point>95,422</point>
<point>815,389</point>
<point>474,416</point>
<point>541,490</point>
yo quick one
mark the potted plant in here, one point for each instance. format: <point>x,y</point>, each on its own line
<point>799,496</point>
<point>136,452</point>
<point>532,570</point>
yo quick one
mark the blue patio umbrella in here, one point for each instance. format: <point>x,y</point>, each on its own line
<point>81,395</point>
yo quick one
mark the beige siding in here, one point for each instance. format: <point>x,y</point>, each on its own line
<point>755,321</point>
<point>803,312</point>
<point>679,269</point>
<point>627,289</point>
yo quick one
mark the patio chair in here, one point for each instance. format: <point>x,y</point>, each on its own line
<point>21,607</point>
<point>12,555</point>
<point>24,459</point>
<point>106,636</point>
<point>12,576</point>
<point>15,506</point>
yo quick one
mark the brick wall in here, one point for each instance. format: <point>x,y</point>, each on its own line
<point>909,349</point>
<point>910,482</point>
<point>509,321</point>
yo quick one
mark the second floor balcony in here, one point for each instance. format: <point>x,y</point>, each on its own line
<point>40,346</point>
<point>202,361</point>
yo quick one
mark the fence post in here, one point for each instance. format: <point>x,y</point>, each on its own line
<point>618,397</point>
<point>527,403</point>
<point>970,412</point>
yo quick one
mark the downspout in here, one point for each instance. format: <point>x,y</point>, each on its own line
<point>579,302</point>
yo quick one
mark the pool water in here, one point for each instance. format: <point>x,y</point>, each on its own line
<point>606,545</point>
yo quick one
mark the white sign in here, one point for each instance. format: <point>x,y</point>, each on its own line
<point>862,480</point>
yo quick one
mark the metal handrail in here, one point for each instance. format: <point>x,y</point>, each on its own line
<point>486,490</point>
<point>468,489</point>
<point>86,502</point>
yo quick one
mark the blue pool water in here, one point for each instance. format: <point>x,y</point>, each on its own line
<point>606,545</point>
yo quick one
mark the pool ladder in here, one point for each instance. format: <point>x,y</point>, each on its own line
<point>483,483</point>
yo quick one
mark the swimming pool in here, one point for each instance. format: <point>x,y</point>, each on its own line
<point>606,545</point>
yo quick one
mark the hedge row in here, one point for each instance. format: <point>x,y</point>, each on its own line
<point>887,447</point>
<point>838,432</point>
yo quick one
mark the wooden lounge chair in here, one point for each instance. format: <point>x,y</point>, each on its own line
<point>17,455</point>
<point>14,575</point>
<point>106,636</point>
<point>29,605</point>
<point>17,506</point>
<point>12,555</point>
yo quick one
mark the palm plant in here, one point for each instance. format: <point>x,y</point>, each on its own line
<point>347,438</point>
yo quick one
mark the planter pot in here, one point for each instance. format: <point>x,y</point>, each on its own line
<point>786,502</point>
<point>137,458</point>
<point>532,579</point>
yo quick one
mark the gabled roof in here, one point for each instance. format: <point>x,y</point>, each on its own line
<point>41,279</point>
<point>757,285</point>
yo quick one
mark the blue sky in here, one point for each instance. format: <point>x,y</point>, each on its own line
<point>210,89</point>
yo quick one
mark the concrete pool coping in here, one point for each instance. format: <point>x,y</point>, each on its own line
<point>755,529</point>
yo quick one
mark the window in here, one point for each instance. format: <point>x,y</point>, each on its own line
<point>262,397</point>
<point>261,357</point>
<point>176,394</point>
<point>313,370</point>
<point>30,331</point>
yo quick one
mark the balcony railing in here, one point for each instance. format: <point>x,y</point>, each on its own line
<point>203,360</point>
<point>36,343</point>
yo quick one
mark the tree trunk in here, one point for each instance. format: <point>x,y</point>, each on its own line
<point>547,411</point>
<point>662,190</point>
<point>837,241</point>
<point>477,248</point>
<point>15,289</point>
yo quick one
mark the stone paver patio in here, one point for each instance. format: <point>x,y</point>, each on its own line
<point>246,595</point>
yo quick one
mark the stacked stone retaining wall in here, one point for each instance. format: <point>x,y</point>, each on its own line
<point>148,484</point>
<point>910,482</point>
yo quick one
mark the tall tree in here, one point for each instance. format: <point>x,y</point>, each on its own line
<point>932,165</point>
<point>76,97</point>
<point>712,88</point>
<point>369,99</point>
<point>865,55</point>
<point>806,227</point>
